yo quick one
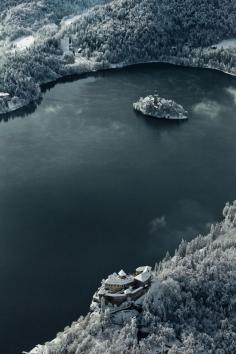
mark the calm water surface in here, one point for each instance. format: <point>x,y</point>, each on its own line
<point>88,186</point>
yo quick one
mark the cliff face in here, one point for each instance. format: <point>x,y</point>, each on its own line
<point>189,308</point>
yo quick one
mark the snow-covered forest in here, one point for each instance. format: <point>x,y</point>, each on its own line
<point>189,308</point>
<point>109,34</point>
<point>29,54</point>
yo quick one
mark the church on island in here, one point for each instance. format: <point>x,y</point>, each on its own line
<point>121,287</point>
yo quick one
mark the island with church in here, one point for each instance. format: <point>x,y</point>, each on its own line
<point>158,107</point>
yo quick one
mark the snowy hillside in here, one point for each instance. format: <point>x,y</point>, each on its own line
<point>110,34</point>
<point>22,17</point>
<point>189,308</point>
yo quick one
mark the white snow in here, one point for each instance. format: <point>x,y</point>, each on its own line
<point>143,277</point>
<point>227,43</point>
<point>23,42</point>
<point>122,273</point>
<point>143,268</point>
<point>116,295</point>
<point>114,279</point>
<point>69,20</point>
<point>15,104</point>
<point>4,94</point>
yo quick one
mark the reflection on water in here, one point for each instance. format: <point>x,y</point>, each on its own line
<point>88,186</point>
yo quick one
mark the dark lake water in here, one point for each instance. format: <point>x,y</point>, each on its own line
<point>88,186</point>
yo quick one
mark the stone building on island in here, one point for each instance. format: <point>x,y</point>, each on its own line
<point>121,287</point>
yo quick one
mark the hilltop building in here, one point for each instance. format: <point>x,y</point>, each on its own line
<point>121,287</point>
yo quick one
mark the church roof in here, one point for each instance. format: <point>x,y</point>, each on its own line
<point>143,269</point>
<point>122,273</point>
<point>143,277</point>
<point>114,279</point>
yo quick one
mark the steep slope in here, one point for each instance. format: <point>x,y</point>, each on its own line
<point>190,307</point>
<point>134,30</point>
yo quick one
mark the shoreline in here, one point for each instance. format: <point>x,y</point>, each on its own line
<point>220,237</point>
<point>123,65</point>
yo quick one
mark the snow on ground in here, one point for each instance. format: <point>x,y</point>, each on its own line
<point>23,42</point>
<point>227,43</point>
<point>4,94</point>
<point>69,20</point>
<point>84,64</point>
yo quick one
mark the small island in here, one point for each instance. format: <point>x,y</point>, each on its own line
<point>157,107</point>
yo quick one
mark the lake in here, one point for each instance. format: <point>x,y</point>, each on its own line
<point>88,186</point>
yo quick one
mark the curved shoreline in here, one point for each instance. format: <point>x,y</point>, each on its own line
<point>76,72</point>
